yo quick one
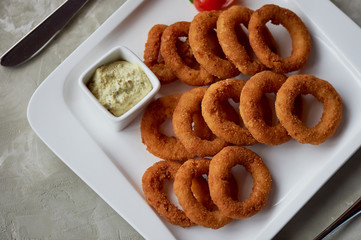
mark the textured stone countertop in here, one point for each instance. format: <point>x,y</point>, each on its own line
<point>41,198</point>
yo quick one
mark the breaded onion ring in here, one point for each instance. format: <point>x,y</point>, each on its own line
<point>200,190</point>
<point>153,181</point>
<point>301,40</point>
<point>174,61</point>
<point>226,112</point>
<point>324,92</point>
<point>160,145</point>
<point>250,107</point>
<point>154,60</point>
<point>194,210</point>
<point>201,24</point>
<point>216,95</point>
<point>188,105</point>
<point>151,55</point>
<point>236,48</point>
<point>220,173</point>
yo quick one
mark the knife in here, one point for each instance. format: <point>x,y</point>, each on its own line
<point>37,38</point>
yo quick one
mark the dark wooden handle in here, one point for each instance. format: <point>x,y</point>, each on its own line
<point>351,212</point>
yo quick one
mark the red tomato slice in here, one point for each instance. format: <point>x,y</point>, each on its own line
<point>208,5</point>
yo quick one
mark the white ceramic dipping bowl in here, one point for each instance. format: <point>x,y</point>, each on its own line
<point>118,53</point>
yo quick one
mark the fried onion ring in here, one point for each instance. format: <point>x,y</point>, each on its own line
<point>324,92</point>
<point>152,183</point>
<point>151,55</point>
<point>236,48</point>
<point>194,210</point>
<point>200,190</point>
<point>188,105</point>
<point>154,60</point>
<point>214,98</point>
<point>250,108</point>
<point>173,60</point>
<point>219,184</point>
<point>301,40</point>
<point>201,24</point>
<point>159,144</point>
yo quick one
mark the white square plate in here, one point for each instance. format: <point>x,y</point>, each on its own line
<point>112,163</point>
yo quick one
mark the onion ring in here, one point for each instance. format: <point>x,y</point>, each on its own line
<point>236,48</point>
<point>174,61</point>
<point>200,190</point>
<point>301,40</point>
<point>201,24</point>
<point>188,105</point>
<point>250,107</point>
<point>154,60</point>
<point>220,173</point>
<point>152,183</point>
<point>324,92</point>
<point>194,210</point>
<point>160,145</point>
<point>151,55</point>
<point>217,94</point>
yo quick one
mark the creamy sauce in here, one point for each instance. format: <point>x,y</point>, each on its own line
<point>119,85</point>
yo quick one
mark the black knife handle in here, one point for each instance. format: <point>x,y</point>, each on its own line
<point>37,38</point>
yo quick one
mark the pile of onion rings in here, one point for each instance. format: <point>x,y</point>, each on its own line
<point>238,49</point>
<point>209,138</point>
<point>201,59</point>
<point>211,204</point>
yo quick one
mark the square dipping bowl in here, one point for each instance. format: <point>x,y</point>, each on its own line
<point>115,54</point>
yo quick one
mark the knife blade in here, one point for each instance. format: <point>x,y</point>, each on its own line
<point>37,39</point>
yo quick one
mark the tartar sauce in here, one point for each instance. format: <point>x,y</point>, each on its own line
<point>119,85</point>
